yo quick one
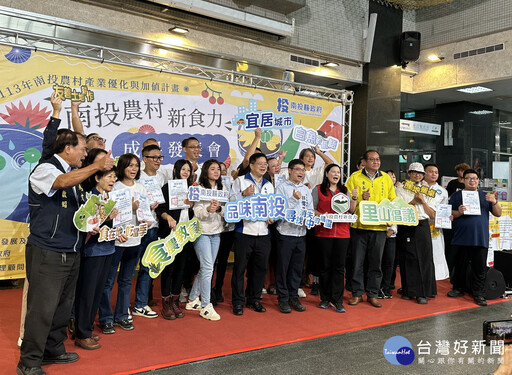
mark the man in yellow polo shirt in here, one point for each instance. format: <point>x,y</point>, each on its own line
<point>368,240</point>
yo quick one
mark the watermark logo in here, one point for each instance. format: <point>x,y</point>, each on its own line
<point>398,351</point>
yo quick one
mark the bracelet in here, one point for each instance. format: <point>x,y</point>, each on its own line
<point>354,198</point>
<point>495,203</point>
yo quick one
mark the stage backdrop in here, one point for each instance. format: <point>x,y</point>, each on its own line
<point>126,106</point>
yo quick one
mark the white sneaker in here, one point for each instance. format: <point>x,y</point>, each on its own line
<point>263,291</point>
<point>183,295</point>
<point>130,317</point>
<point>145,312</point>
<point>301,293</point>
<point>208,312</point>
<point>20,341</point>
<point>193,305</point>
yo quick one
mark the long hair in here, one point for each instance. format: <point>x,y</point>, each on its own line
<point>123,163</point>
<point>203,178</point>
<point>176,171</point>
<point>326,184</point>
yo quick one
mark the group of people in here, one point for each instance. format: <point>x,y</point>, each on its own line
<point>70,274</point>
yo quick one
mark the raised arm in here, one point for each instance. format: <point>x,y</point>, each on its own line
<point>252,148</point>
<point>327,160</point>
<point>75,118</point>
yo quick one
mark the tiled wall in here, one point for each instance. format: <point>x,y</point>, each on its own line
<point>462,19</point>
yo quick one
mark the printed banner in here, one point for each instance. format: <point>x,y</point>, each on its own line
<point>196,193</point>
<point>130,231</point>
<point>12,249</point>
<point>128,105</point>
<point>386,212</point>
<point>161,253</point>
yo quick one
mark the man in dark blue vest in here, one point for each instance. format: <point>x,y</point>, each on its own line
<point>52,251</point>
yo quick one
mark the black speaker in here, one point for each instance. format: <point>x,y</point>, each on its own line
<point>494,283</point>
<point>410,46</point>
<point>503,263</point>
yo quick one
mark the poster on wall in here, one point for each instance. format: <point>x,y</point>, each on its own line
<point>127,105</point>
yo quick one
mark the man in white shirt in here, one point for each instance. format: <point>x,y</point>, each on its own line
<point>252,239</point>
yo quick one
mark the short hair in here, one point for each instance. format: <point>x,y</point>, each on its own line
<point>89,136</point>
<point>430,165</point>
<point>304,151</point>
<point>66,138</point>
<point>469,171</point>
<point>124,162</point>
<point>92,154</point>
<point>149,140</point>
<point>365,155</point>
<point>186,141</point>
<point>89,183</point>
<point>256,156</point>
<point>295,162</point>
<point>390,171</point>
<point>462,166</point>
<point>360,161</point>
<point>150,148</point>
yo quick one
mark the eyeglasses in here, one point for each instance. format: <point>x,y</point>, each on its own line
<point>194,147</point>
<point>471,178</point>
<point>155,158</point>
<point>98,139</point>
<point>373,159</point>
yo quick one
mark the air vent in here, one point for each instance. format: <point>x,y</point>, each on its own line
<point>304,60</point>
<point>478,51</point>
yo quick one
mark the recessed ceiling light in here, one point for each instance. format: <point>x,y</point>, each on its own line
<point>435,58</point>
<point>481,112</point>
<point>474,90</point>
<point>179,30</point>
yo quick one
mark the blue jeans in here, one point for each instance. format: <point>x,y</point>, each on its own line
<point>206,247</point>
<point>128,257</point>
<point>143,278</point>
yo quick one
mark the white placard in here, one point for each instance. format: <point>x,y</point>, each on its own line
<point>178,192</point>
<point>443,213</point>
<point>144,210</point>
<point>471,200</point>
<point>153,189</point>
<point>123,200</point>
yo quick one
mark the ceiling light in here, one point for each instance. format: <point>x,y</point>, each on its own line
<point>330,64</point>
<point>435,58</point>
<point>179,30</point>
<point>481,112</point>
<point>474,90</point>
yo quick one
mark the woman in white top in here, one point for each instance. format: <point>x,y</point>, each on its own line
<point>126,254</point>
<point>211,215</point>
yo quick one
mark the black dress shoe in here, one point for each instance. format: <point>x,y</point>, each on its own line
<point>480,301</point>
<point>256,306</point>
<point>238,309</point>
<point>284,307</point>
<point>68,357</point>
<point>24,370</point>
<point>421,300</point>
<point>296,305</point>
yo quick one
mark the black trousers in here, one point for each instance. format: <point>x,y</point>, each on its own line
<point>52,278</point>
<point>417,272</point>
<point>226,244</point>
<point>89,289</point>
<point>477,255</point>
<point>389,264</point>
<point>333,254</point>
<point>367,245</point>
<point>290,261</point>
<point>172,275</point>
<point>253,251</point>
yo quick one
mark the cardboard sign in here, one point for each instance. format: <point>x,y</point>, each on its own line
<point>161,253</point>
<point>130,231</point>
<point>197,193</point>
<point>93,212</point>
<point>386,212</point>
